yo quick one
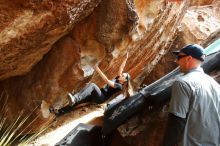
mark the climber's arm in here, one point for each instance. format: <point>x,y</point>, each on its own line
<point>104,77</point>
<point>121,68</point>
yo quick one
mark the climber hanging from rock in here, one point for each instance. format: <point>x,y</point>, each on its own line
<point>92,93</point>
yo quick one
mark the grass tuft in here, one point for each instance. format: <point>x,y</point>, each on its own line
<point>12,133</point>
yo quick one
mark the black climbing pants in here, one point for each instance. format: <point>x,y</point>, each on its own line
<point>90,93</point>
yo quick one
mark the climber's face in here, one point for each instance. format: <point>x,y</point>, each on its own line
<point>123,78</point>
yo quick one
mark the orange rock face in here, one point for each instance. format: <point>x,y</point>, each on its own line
<point>30,28</point>
<point>49,48</point>
<point>147,128</point>
<point>201,2</point>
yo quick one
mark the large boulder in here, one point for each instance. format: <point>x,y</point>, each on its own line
<point>196,27</point>
<point>30,28</point>
<point>48,48</point>
<point>200,25</point>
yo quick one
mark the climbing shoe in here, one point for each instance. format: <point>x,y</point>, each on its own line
<point>71,98</point>
<point>45,109</point>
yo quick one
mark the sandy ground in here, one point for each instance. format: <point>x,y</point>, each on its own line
<point>61,126</point>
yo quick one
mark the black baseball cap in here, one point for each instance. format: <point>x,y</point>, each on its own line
<point>194,50</point>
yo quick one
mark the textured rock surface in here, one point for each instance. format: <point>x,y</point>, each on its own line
<point>201,2</point>
<point>28,31</point>
<point>48,48</point>
<point>30,28</point>
<point>144,129</point>
<point>48,70</point>
<point>196,27</point>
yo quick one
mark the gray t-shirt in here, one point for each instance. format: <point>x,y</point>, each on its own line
<point>196,97</point>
